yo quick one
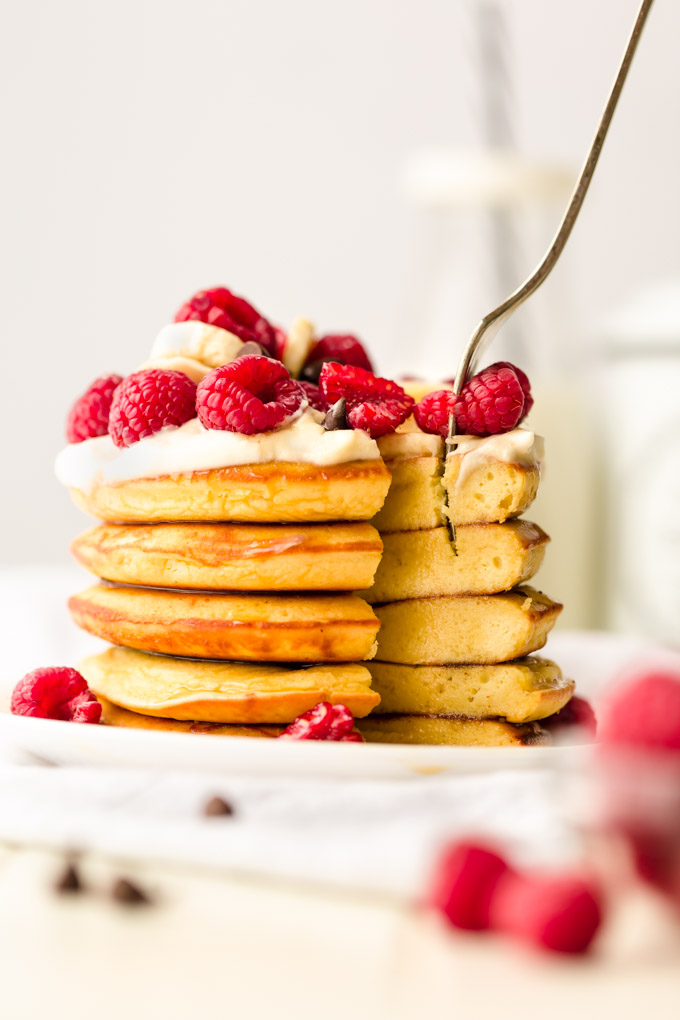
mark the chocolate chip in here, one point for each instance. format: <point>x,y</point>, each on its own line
<point>69,880</point>
<point>311,371</point>
<point>217,807</point>
<point>252,348</point>
<point>125,891</point>
<point>337,416</point>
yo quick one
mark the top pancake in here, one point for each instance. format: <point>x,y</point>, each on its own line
<point>276,492</point>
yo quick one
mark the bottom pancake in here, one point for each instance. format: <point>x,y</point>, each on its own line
<point>423,729</point>
<point>520,691</point>
<point>113,715</point>
<point>241,693</point>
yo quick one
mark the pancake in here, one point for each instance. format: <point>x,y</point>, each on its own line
<point>276,492</point>
<point>519,691</point>
<point>240,557</point>
<point>488,558</point>
<point>224,692</point>
<point>113,715</point>
<point>465,628</point>
<point>492,492</point>
<point>266,628</point>
<point>415,729</point>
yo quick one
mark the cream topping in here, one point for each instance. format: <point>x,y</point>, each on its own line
<point>191,447</point>
<point>520,446</point>
<point>210,345</point>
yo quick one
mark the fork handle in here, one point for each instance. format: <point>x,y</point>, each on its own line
<point>491,323</point>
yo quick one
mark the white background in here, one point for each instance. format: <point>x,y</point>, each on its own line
<point>151,147</point>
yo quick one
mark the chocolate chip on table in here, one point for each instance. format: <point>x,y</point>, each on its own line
<point>251,348</point>
<point>217,807</point>
<point>69,880</point>
<point>337,416</point>
<point>125,891</point>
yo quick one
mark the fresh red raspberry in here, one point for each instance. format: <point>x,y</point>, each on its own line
<point>314,395</point>
<point>490,402</point>
<point>249,395</point>
<point>89,416</point>
<point>56,692</point>
<point>147,401</point>
<point>343,348</point>
<point>524,383</point>
<point>432,412</point>
<point>378,406</point>
<point>323,722</point>
<point>463,884</point>
<point>220,307</point>
<point>281,338</point>
<point>578,712</point>
<point>557,912</point>
<point>645,713</point>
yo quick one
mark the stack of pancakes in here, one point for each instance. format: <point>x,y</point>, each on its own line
<point>228,595</point>
<point>458,621</point>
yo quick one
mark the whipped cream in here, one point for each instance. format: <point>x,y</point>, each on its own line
<point>191,447</point>
<point>520,446</point>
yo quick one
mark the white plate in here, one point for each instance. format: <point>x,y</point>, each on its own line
<point>593,659</point>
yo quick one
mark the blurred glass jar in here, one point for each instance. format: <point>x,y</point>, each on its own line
<point>641,388</point>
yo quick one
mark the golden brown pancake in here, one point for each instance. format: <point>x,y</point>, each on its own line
<point>252,627</point>
<point>488,558</point>
<point>113,715</point>
<point>520,691</point>
<point>491,493</point>
<point>465,628</point>
<point>237,693</point>
<point>233,557</point>
<point>278,492</point>
<point>422,729</point>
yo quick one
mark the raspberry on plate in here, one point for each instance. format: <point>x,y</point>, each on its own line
<point>56,692</point>
<point>378,406</point>
<point>147,401</point>
<point>558,912</point>
<point>89,415</point>
<point>249,395</point>
<point>220,307</point>
<point>491,402</point>
<point>342,348</point>
<point>463,884</point>
<point>323,722</point>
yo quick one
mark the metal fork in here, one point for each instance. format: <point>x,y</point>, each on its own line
<point>491,323</point>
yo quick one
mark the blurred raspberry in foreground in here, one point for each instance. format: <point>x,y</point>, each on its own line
<point>637,772</point>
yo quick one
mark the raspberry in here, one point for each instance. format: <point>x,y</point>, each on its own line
<point>147,401</point>
<point>490,402</point>
<point>219,307</point>
<point>432,413</point>
<point>378,406</point>
<point>645,714</point>
<point>248,395</point>
<point>464,883</point>
<point>89,416</point>
<point>314,395</point>
<point>523,380</point>
<point>578,712</point>
<point>323,722</point>
<point>344,349</point>
<point>56,692</point>
<point>557,912</point>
